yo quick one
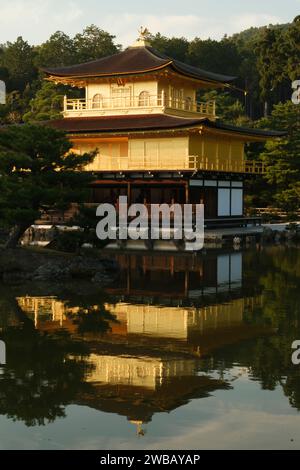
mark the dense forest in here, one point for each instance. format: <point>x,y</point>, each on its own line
<point>265,61</point>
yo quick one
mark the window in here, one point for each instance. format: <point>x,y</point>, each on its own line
<point>121,96</point>
<point>224,202</point>
<point>230,202</point>
<point>144,98</point>
<point>97,101</point>
<point>236,202</point>
<point>188,103</point>
<point>177,98</point>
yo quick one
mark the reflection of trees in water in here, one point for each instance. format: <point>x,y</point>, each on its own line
<point>46,371</point>
<point>281,305</point>
<point>91,314</point>
<point>268,359</point>
<point>43,375</point>
<point>93,320</point>
<point>273,366</point>
<point>10,312</point>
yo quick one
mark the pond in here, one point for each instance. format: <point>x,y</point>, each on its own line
<point>182,352</point>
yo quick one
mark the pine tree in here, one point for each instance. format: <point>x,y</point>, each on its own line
<point>38,172</point>
<point>283,156</point>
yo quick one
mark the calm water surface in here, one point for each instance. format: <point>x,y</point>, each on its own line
<point>183,352</point>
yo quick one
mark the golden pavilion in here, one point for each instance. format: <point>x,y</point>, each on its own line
<point>156,142</point>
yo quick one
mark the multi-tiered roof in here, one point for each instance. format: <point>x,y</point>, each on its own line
<point>136,63</point>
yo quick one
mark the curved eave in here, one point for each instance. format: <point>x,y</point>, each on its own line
<point>102,75</point>
<point>82,78</point>
<point>154,60</point>
<point>200,75</point>
<point>125,125</point>
<point>248,134</point>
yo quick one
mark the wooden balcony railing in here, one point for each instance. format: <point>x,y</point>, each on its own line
<point>251,167</point>
<point>126,103</point>
<point>175,163</point>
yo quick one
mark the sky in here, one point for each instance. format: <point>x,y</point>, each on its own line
<point>36,20</point>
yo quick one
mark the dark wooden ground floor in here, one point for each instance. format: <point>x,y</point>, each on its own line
<point>221,198</point>
<point>222,194</point>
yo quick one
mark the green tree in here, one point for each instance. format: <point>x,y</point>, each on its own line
<point>277,51</point>
<point>283,156</point>
<point>58,51</point>
<point>229,108</point>
<point>247,73</point>
<point>93,44</point>
<point>47,103</point>
<point>176,48</point>
<point>38,172</point>
<point>290,46</point>
<point>18,59</point>
<point>216,56</point>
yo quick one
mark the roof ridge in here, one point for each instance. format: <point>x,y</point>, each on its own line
<point>95,61</point>
<point>158,54</point>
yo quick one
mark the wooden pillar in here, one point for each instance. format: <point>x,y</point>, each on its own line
<point>186,282</point>
<point>129,193</point>
<point>128,280</point>
<point>187,192</point>
<point>172,266</point>
<point>128,272</point>
<point>144,265</point>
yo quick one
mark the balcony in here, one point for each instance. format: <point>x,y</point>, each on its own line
<point>248,167</point>
<point>135,105</point>
<point>174,163</point>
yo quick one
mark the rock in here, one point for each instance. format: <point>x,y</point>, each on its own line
<point>103,279</point>
<point>18,266</point>
<point>77,268</point>
<point>51,271</point>
<point>110,264</point>
<point>85,267</point>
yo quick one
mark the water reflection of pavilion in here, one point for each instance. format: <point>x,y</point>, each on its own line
<point>197,331</point>
<point>170,302</point>
<point>135,381</point>
<point>139,387</point>
<point>169,311</point>
<point>169,277</point>
<point>47,312</point>
<point>185,329</point>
